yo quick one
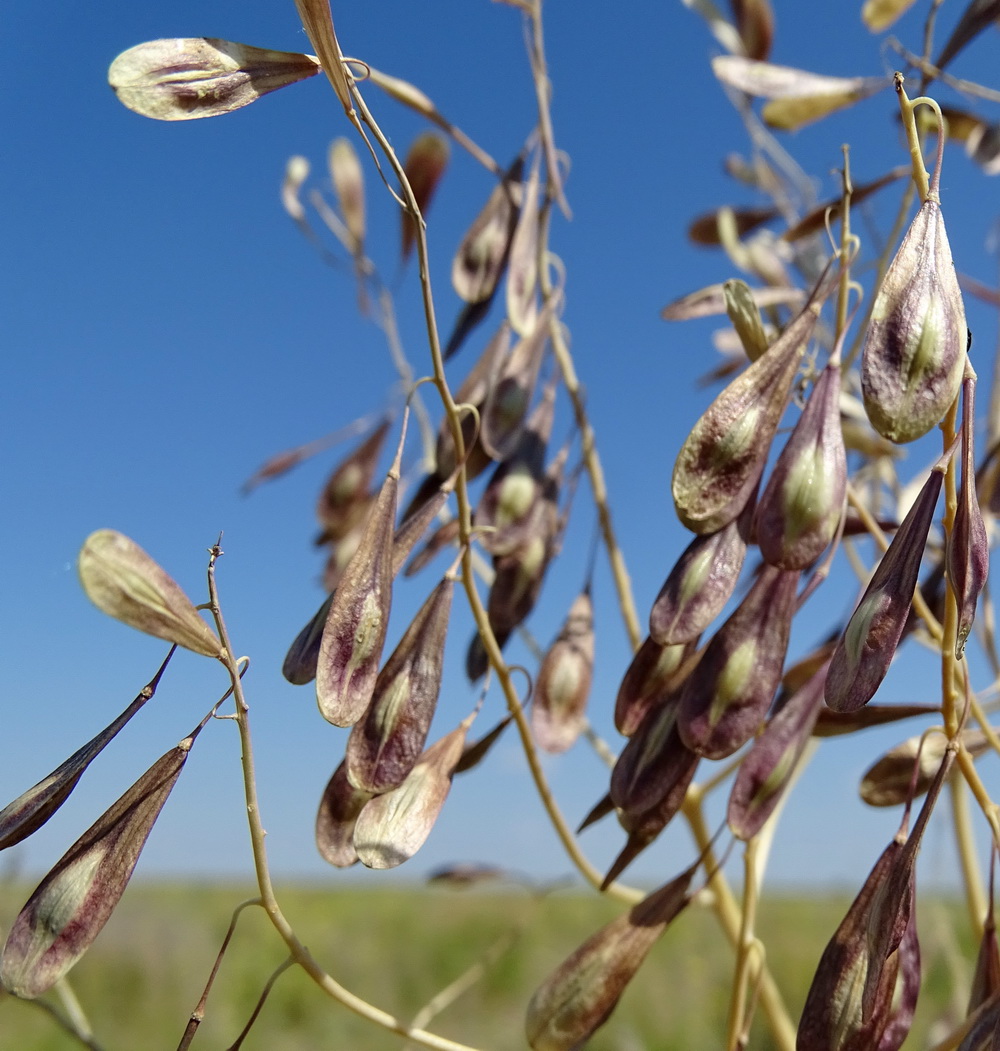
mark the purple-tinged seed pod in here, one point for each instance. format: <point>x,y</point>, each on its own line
<point>722,458</point>
<point>914,353</point>
<point>866,648</point>
<point>768,766</point>
<point>648,682</point>
<point>701,582</point>
<point>968,545</point>
<point>803,501</point>
<point>563,684</point>
<point>387,741</point>
<point>345,500</point>
<point>335,820</point>
<point>726,697</point>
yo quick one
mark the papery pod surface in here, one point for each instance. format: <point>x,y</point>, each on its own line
<point>865,650</point>
<point>722,458</point>
<point>579,996</point>
<point>349,183</point>
<point>802,504</point>
<point>914,353</point>
<point>726,697</point>
<point>558,709</point>
<point>385,744</point>
<point>338,812</point>
<point>69,908</point>
<point>424,167</point>
<point>393,827</point>
<point>647,683</point>
<point>124,582</point>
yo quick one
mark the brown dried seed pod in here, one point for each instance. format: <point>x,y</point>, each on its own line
<point>890,780</point>
<point>563,684</point>
<point>482,256</point>
<point>726,697</point>
<point>522,267</point>
<point>386,743</point>
<point>424,166</point>
<point>349,183</point>
<point>755,23</point>
<point>345,500</point>
<point>579,996</point>
<point>802,504</point>
<point>914,353</point>
<point>335,820</point>
<point>866,648</point>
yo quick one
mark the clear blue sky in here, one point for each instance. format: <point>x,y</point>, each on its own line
<point>166,329</point>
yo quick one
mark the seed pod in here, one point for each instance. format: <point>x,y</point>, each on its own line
<point>755,23</point>
<point>726,697</point>
<point>601,808</point>
<point>802,504</point>
<point>509,397</point>
<point>354,633</point>
<point>296,173</point>
<point>768,766</point>
<point>473,754</point>
<point>850,1002</point>
<point>654,765</point>
<point>890,781</point>
<point>903,999</point>
<point>505,511</point>
<point>563,684</point>
<point>648,683</point>
<point>914,353</point>
<point>124,582</point>
<point>201,76</point>
<point>968,546</point>
<point>446,534</point>
<point>72,904</point>
<point>723,456</point>
<point>711,301</point>
<point>393,827</point>
<point>33,808</point>
<point>986,978</point>
<point>349,183</point>
<point>522,274</point>
<point>579,996</point>
<point>345,502</point>
<point>482,256</point>
<point>985,1025</point>
<point>335,820</point>
<point>424,167</point>
<point>866,648</point>
<point>384,745</point>
<point>701,582</point>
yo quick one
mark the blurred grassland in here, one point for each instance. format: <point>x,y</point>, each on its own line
<point>399,947</point>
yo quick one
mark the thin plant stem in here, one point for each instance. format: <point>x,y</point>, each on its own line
<point>727,913</point>
<point>965,845</point>
<point>268,899</point>
<point>258,1007</point>
<point>744,948</point>
<point>198,1014</point>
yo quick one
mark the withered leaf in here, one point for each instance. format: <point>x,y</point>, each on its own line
<point>393,827</point>
<point>201,76</point>
<point>124,582</point>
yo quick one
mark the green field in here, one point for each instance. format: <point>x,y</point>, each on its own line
<point>398,948</point>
